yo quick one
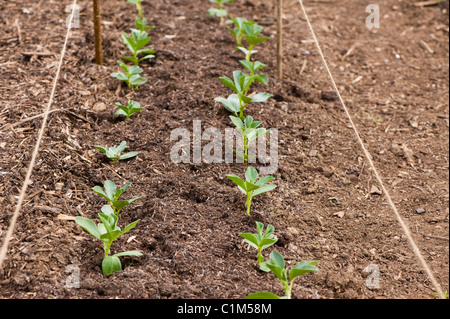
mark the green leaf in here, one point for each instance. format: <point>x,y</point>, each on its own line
<point>264,180</point>
<point>247,52</point>
<point>278,259</point>
<point>267,242</point>
<point>137,80</point>
<point>237,122</point>
<point>262,295</point>
<point>111,236</point>
<point>130,226</point>
<point>128,253</point>
<point>229,83</point>
<point>110,189</point>
<point>231,103</point>
<point>101,148</point>
<point>237,180</point>
<point>120,76</point>
<point>255,40</point>
<point>250,186</point>
<point>134,70</point>
<point>99,191</point>
<point>128,155</point>
<point>257,133</point>
<point>111,264</point>
<point>107,210</point>
<point>264,189</point>
<point>302,268</point>
<point>88,225</point>
<point>261,97</point>
<point>251,239</point>
<point>251,174</point>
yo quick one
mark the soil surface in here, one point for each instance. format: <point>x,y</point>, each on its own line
<point>328,205</point>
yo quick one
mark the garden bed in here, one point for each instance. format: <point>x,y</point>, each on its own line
<point>327,205</point>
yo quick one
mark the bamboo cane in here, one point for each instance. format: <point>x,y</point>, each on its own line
<point>98,33</point>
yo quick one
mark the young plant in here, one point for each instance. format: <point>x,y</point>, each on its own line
<point>277,266</point>
<point>131,108</point>
<point>112,194</point>
<point>115,153</point>
<point>252,187</point>
<point>107,231</point>
<point>261,240</point>
<point>219,12</point>
<point>249,131</point>
<point>236,103</point>
<point>238,31</point>
<point>138,40</point>
<point>251,34</point>
<point>131,76</point>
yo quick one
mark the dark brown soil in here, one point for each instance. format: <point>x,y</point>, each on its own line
<point>326,206</point>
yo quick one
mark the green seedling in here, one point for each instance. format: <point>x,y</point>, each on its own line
<point>115,153</point>
<point>249,131</point>
<point>261,240</point>
<point>107,231</point>
<point>241,83</point>
<point>277,266</point>
<point>141,24</point>
<point>128,110</point>
<point>252,187</point>
<point>131,76</point>
<point>138,4</point>
<point>220,11</point>
<point>135,43</point>
<point>112,194</point>
<point>238,31</point>
<point>251,34</point>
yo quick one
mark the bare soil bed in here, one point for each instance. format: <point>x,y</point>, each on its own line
<point>327,205</point>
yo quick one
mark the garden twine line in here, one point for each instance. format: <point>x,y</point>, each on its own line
<point>9,234</point>
<point>369,158</point>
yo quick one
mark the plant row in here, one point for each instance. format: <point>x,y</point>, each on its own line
<point>247,36</point>
<point>108,229</point>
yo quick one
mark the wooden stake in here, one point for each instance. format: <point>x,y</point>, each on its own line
<point>98,33</point>
<point>280,38</point>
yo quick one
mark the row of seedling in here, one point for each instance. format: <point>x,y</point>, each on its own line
<point>247,36</point>
<point>108,229</point>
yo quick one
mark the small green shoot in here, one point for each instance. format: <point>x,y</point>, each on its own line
<point>135,43</point>
<point>112,194</point>
<point>238,31</point>
<point>219,12</point>
<point>115,153</point>
<point>236,103</point>
<point>277,266</point>
<point>107,231</point>
<point>252,187</point>
<point>141,24</point>
<point>249,131</point>
<point>261,240</point>
<point>251,34</point>
<point>128,110</point>
<point>131,76</point>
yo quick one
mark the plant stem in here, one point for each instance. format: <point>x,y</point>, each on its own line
<point>107,246</point>
<point>249,203</point>
<point>249,54</point>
